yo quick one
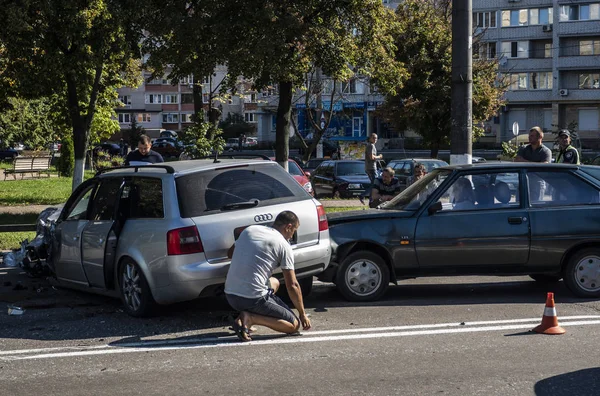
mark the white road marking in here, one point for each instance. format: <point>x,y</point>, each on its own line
<point>313,336</point>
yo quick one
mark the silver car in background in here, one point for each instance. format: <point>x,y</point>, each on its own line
<point>160,233</point>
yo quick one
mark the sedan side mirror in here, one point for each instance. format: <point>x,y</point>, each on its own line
<point>436,207</point>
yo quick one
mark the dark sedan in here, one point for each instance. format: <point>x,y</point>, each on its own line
<point>467,220</point>
<point>108,148</point>
<point>8,153</point>
<point>340,179</point>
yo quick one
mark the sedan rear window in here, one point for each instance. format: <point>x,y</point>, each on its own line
<point>204,193</point>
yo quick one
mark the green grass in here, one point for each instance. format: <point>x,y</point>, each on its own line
<point>12,240</point>
<point>39,191</point>
<point>342,209</point>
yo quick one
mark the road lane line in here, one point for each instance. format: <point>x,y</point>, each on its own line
<point>232,341</point>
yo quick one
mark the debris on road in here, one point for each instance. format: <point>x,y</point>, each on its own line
<point>14,311</point>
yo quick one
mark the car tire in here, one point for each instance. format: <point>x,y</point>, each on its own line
<point>306,285</point>
<point>134,290</point>
<point>546,278</point>
<point>582,273</point>
<point>362,276</point>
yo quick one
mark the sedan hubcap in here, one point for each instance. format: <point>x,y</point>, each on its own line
<point>363,277</point>
<point>130,285</point>
<point>587,273</point>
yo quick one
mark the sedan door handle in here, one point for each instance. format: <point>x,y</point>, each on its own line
<point>517,220</point>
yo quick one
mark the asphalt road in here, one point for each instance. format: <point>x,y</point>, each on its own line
<point>449,336</point>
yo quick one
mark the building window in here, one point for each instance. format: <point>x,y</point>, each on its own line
<point>170,117</point>
<point>589,81</point>
<point>484,19</point>
<point>205,97</point>
<point>186,117</point>
<point>581,12</point>
<point>515,49</point>
<point>484,51</point>
<point>171,98</point>
<point>548,50</point>
<point>124,118</point>
<point>349,87</point>
<point>540,16</point>
<point>125,99</point>
<point>515,17</point>
<point>518,81</point>
<point>187,98</point>
<point>144,117</point>
<point>186,80</point>
<point>249,117</point>
<point>250,98</point>
<point>540,80</point>
<point>589,47</point>
<point>156,81</point>
<point>153,98</point>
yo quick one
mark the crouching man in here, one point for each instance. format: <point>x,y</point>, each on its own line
<point>249,287</point>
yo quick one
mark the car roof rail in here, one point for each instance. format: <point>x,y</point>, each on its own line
<point>215,157</point>
<point>168,168</point>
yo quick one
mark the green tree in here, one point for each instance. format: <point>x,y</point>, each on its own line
<point>80,48</point>
<point>66,162</point>
<point>280,41</point>
<point>134,133</point>
<point>423,104</point>
<point>234,125</point>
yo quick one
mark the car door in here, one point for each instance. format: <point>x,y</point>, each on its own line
<point>322,178</point>
<point>564,211</point>
<point>67,242</point>
<point>486,226</point>
<point>98,238</point>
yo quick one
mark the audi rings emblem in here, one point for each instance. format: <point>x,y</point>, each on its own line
<point>263,217</point>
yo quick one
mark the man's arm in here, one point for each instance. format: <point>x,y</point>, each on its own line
<point>295,293</point>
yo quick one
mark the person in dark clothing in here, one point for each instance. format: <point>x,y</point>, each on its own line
<point>567,154</point>
<point>144,153</point>
<point>384,188</point>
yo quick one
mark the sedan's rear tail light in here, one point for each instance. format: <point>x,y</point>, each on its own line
<point>184,241</point>
<point>323,225</point>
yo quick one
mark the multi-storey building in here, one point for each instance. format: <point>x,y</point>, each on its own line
<point>549,54</point>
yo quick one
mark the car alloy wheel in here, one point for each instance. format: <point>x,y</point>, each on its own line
<point>582,274</point>
<point>362,276</point>
<point>135,292</point>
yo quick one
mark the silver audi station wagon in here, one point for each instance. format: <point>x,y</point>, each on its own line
<point>160,233</point>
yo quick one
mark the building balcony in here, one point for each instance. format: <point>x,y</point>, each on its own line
<point>533,32</point>
<point>587,62</point>
<point>579,95</point>
<point>578,28</point>
<point>515,65</point>
<point>529,96</point>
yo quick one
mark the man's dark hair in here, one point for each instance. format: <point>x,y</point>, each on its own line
<point>286,217</point>
<point>144,139</point>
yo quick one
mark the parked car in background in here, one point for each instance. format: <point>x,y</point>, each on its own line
<point>405,168</point>
<point>54,146</point>
<point>340,179</point>
<point>449,224</point>
<point>251,142</point>
<point>478,160</point>
<point>160,233</point>
<point>8,153</point>
<point>232,144</point>
<point>19,147</point>
<point>168,134</point>
<point>167,149</point>
<point>108,148</point>
<point>299,175</point>
<point>313,163</point>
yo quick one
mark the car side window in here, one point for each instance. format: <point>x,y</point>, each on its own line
<point>145,198</point>
<point>80,209</point>
<point>560,189</point>
<point>328,169</point>
<point>482,191</point>
<point>105,199</point>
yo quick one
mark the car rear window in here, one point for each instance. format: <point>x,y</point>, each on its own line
<point>207,192</point>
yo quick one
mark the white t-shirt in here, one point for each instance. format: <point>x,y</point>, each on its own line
<point>259,250</point>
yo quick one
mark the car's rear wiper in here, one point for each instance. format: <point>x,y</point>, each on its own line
<point>240,205</point>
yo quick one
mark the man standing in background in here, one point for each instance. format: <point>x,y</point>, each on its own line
<point>371,158</point>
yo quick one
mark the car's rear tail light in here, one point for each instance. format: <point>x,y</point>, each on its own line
<point>184,241</point>
<point>323,225</point>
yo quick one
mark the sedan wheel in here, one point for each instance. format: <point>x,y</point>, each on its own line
<point>135,292</point>
<point>362,276</point>
<point>582,274</point>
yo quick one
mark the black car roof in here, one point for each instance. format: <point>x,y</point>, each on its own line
<point>509,165</point>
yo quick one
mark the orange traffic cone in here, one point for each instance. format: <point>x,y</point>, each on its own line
<point>549,320</point>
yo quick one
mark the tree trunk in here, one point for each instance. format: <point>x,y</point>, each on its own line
<point>79,131</point>
<point>198,106</point>
<point>435,148</point>
<point>284,112</point>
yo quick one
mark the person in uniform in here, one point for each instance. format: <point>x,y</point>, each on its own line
<point>567,154</point>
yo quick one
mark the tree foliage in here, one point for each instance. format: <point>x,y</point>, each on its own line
<point>281,41</point>
<point>81,49</point>
<point>66,162</point>
<point>424,44</point>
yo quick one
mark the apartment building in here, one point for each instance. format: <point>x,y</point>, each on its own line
<point>549,54</point>
<point>160,104</point>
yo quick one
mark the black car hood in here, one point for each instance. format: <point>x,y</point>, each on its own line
<point>359,215</point>
<point>363,179</point>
